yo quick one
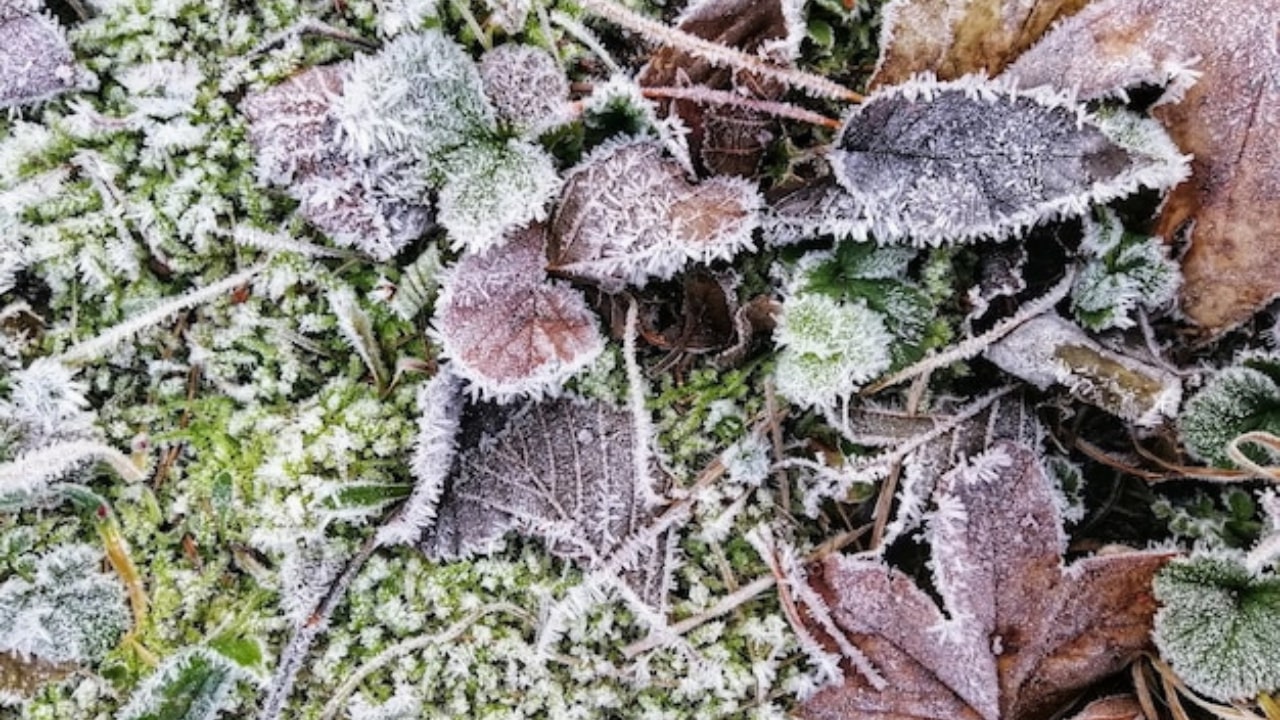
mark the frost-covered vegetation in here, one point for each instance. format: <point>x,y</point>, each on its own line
<point>534,358</point>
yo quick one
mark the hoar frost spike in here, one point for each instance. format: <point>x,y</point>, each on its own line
<point>933,162</point>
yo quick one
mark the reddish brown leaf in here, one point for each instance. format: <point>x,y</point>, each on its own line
<point>727,141</point>
<point>508,330</point>
<point>951,38</point>
<point>1227,119</point>
<point>1021,633</point>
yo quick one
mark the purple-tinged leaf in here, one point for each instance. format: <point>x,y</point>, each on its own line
<point>36,63</point>
<point>508,330</point>
<point>934,162</point>
<point>628,215</point>
<point>1018,634</point>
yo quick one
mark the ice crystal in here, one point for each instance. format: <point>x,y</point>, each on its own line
<point>492,188</point>
<point>1234,401</point>
<point>1219,627</point>
<point>45,404</point>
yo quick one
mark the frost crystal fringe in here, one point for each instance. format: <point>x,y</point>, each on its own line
<point>33,470</point>
<point>91,349</point>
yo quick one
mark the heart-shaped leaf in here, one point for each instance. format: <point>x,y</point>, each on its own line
<point>36,62</point>
<point>508,329</point>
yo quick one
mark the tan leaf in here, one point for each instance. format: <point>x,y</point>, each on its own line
<point>23,675</point>
<point>951,38</point>
<point>1221,61</point>
<point>1019,633</point>
<point>507,328</point>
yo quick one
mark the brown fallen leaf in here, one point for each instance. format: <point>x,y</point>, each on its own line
<point>1019,633</point>
<point>726,140</point>
<point>951,38</point>
<point>1119,707</point>
<point>1221,60</point>
<point>508,329</point>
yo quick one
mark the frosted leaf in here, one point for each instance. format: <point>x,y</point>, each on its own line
<point>628,215</point>
<point>291,124</point>
<point>951,38</point>
<point>934,162</point>
<point>1049,350</point>
<point>1218,61</point>
<point>193,684</point>
<point>418,284</point>
<point>1234,401</point>
<point>1125,272</point>
<point>562,471</point>
<point>1018,634</point>
<point>493,188</point>
<point>36,63</point>
<point>1219,627</point>
<point>506,328</point>
<point>70,612</point>
<point>510,15</point>
<point>1116,707</point>
<point>294,132</point>
<point>816,210</point>
<point>45,405</point>
<point>829,348</point>
<point>526,86</point>
<point>440,408</point>
<point>419,96</point>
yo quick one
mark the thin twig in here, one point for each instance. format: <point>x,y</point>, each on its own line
<point>975,345</point>
<point>304,636</point>
<point>708,96</point>
<point>718,54</point>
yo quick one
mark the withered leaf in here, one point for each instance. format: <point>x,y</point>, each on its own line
<point>727,140</point>
<point>953,161</point>
<point>628,215</point>
<point>36,62</point>
<point>23,675</point>
<point>1119,707</point>
<point>563,471</point>
<point>1018,633</point>
<point>951,38</point>
<point>508,329</point>
<point>294,131</point>
<point>1221,60</point>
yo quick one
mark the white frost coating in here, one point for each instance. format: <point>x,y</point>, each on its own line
<point>163,688</point>
<point>440,405</point>
<point>36,62</point>
<point>492,189</point>
<point>31,471</point>
<point>628,216</point>
<point>921,19</point>
<point>1049,350</point>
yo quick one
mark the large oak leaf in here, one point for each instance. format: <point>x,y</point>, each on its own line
<point>1018,634</point>
<point>1222,62</point>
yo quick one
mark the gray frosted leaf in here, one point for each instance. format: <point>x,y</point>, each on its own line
<point>628,215</point>
<point>506,328</point>
<point>526,86</point>
<point>954,161</point>
<point>562,471</point>
<point>36,62</point>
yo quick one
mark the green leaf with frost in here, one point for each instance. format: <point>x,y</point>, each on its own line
<point>1237,400</point>
<point>829,348</point>
<point>493,186</point>
<point>68,612</point>
<point>194,684</point>
<point>1219,627</point>
<point>1124,272</point>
